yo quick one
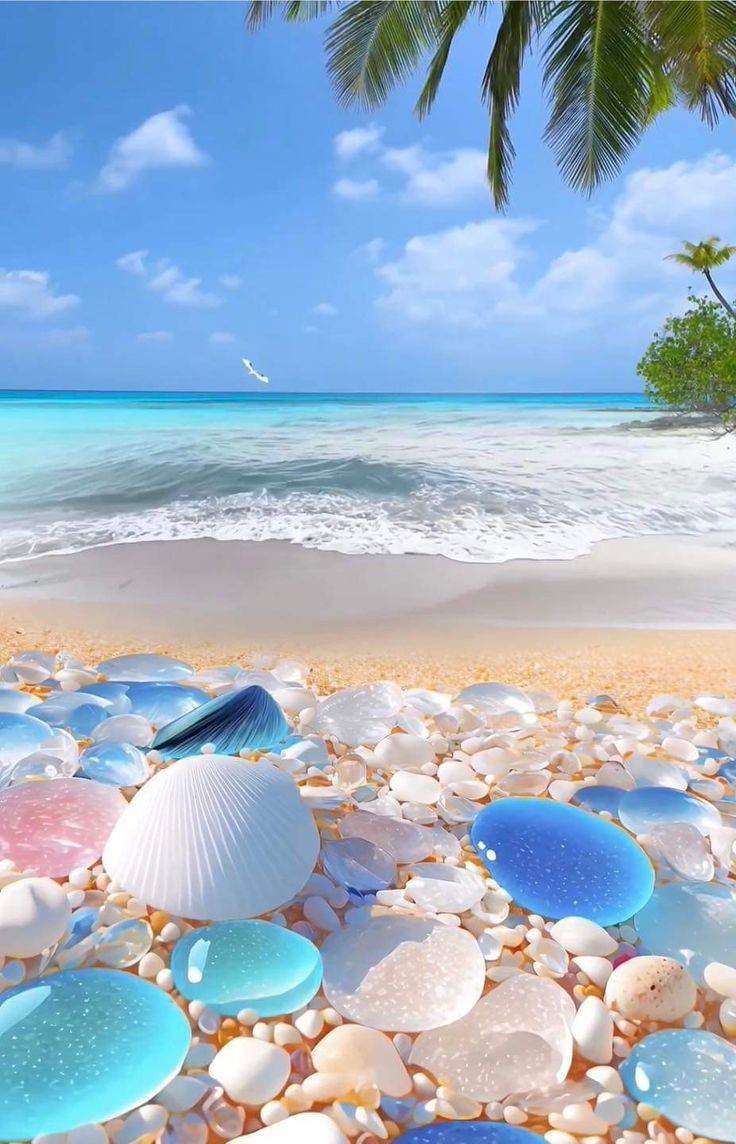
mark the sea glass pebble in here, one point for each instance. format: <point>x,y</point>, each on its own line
<point>446,889</point>
<point>19,736</point>
<point>642,809</point>
<point>684,849</point>
<point>689,1076</point>
<point>247,965</point>
<point>161,703</point>
<point>52,827</point>
<point>559,861</point>
<point>16,702</point>
<point>144,669</point>
<point>599,798</point>
<point>360,715</point>
<point>469,1132</point>
<point>125,943</point>
<point>358,865</point>
<point>496,698</point>
<point>517,1038</point>
<point>405,841</point>
<point>116,764</point>
<point>82,1047</point>
<point>694,923</point>
<point>402,974</point>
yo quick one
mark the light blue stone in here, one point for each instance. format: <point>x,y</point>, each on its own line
<point>559,861</point>
<point>694,923</point>
<point>642,809</point>
<point>688,1076</point>
<point>144,669</point>
<point>358,865</point>
<point>115,694</point>
<point>470,1132</point>
<point>728,771</point>
<point>117,764</point>
<point>247,965</point>
<point>20,735</point>
<point>245,720</point>
<point>599,798</point>
<point>83,1047</point>
<point>161,703</point>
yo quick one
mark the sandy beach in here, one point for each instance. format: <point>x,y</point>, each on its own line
<point>634,616</point>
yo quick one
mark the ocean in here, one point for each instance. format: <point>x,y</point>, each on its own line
<point>473,478</point>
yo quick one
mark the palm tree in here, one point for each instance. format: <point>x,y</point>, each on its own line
<point>609,66</point>
<point>704,257</point>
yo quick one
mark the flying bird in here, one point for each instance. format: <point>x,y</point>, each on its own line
<point>254,372</point>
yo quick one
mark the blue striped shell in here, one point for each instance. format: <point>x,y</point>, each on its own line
<point>245,720</point>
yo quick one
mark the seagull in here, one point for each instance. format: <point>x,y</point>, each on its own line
<point>254,372</point>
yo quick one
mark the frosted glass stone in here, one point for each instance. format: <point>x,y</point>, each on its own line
<point>33,667</point>
<point>20,735</point>
<point>115,764</point>
<point>445,889</point>
<point>496,698</point>
<point>649,772</point>
<point>689,1076</point>
<point>16,702</point>
<point>559,861</point>
<point>643,809</point>
<point>694,923</point>
<point>125,943</point>
<point>471,1132</point>
<point>403,974</point>
<point>398,751</point>
<point>246,720</point>
<point>161,703</point>
<point>403,840</point>
<point>365,1056</point>
<point>82,1047</point>
<point>599,798</point>
<point>682,847</point>
<point>247,965</point>
<point>360,866</point>
<point>132,729</point>
<point>360,715</point>
<point>516,1039</point>
<point>144,669</point>
<point>115,696</point>
<point>52,827</point>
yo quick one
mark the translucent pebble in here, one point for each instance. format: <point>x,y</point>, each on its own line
<point>402,974</point>
<point>358,865</point>
<point>161,703</point>
<point>125,729</point>
<point>516,1039</point>
<point>682,847</point>
<point>558,861</point>
<point>642,809</point>
<point>410,787</point>
<point>84,1047</point>
<point>350,773</point>
<point>116,764</point>
<point>115,696</point>
<point>33,667</point>
<point>124,944</point>
<point>648,772</point>
<point>396,752</point>
<point>16,702</point>
<point>688,1076</point>
<point>496,698</point>
<point>365,1056</point>
<point>444,889</point>
<point>693,923</point>
<point>404,841</point>
<point>19,736</point>
<point>144,668</point>
<point>681,749</point>
<point>252,965</point>
<point>360,715</point>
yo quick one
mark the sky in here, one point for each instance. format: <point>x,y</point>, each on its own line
<point>178,193</point>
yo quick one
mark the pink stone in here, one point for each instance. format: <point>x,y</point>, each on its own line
<point>53,826</point>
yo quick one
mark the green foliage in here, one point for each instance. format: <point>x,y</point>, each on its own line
<point>690,366</point>
<point>610,67</point>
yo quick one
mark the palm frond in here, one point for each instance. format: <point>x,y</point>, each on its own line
<point>261,11</point>
<point>502,85</point>
<point>375,44</point>
<point>452,16</point>
<point>683,259</point>
<point>699,39</point>
<point>598,66</point>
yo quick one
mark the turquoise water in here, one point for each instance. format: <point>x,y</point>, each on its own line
<point>478,478</point>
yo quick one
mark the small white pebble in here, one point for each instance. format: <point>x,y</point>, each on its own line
<point>165,980</point>
<point>331,1016</point>
<point>170,932</point>
<point>262,1031</point>
<point>75,898</point>
<point>272,1112</point>
<point>285,1034</point>
<point>310,1024</point>
<point>150,965</point>
<point>247,1017</point>
<point>514,1115</point>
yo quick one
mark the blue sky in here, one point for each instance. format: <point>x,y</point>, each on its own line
<point>178,193</point>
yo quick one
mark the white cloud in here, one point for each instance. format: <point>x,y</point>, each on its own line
<point>54,153</point>
<point>220,338</point>
<point>356,189</point>
<point>358,141</point>
<point>446,179</point>
<point>155,336</point>
<point>325,310</point>
<point>169,281</point>
<point>231,281</point>
<point>32,294</point>
<point>162,140</point>
<point>372,250</point>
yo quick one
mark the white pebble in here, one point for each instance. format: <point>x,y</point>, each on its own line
<point>150,965</point>
<point>147,1121</point>
<point>720,978</point>
<point>252,1072</point>
<point>580,936</point>
<point>310,1024</point>
<point>87,1134</point>
<point>273,1113</point>
<point>592,1030</point>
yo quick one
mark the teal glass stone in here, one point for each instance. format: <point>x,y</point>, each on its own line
<point>694,923</point>
<point>470,1132</point>
<point>81,1047</point>
<point>115,764</point>
<point>642,809</point>
<point>689,1076</point>
<point>247,965</point>
<point>559,861</point>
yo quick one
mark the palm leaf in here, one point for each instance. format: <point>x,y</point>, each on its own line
<point>451,17</point>
<point>599,66</point>
<point>374,45</point>
<point>699,39</point>
<point>261,11</point>
<point>501,87</point>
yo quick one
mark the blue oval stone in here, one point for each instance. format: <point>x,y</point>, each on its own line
<point>247,965</point>
<point>470,1132</point>
<point>82,1047</point>
<point>599,798</point>
<point>643,809</point>
<point>20,735</point>
<point>116,764</point>
<point>161,703</point>
<point>558,861</point>
<point>689,1076</point>
<point>144,668</point>
<point>692,923</point>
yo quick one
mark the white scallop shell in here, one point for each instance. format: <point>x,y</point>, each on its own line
<point>214,838</point>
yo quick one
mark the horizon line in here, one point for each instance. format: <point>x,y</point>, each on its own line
<point>339,392</point>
